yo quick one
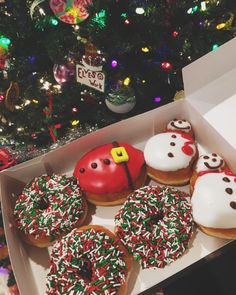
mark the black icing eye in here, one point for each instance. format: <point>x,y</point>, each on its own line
<point>172,143</point>
<point>233,205</point>
<point>173,136</point>
<point>214,155</point>
<point>106,161</point>
<point>184,120</point>
<point>170,155</point>
<point>94,165</point>
<point>175,119</point>
<point>229,190</point>
<point>180,122</point>
<point>214,160</point>
<point>206,157</point>
<point>81,170</point>
<point>226,179</point>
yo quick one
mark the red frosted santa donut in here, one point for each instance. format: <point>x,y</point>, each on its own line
<point>109,173</point>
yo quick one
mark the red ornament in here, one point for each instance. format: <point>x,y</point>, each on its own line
<point>6,159</point>
<point>166,65</point>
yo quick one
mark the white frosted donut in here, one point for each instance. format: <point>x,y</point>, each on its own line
<point>214,200</point>
<point>179,125</point>
<point>211,162</point>
<point>169,151</point>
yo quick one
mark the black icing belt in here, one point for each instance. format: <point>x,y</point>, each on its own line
<point>126,168</point>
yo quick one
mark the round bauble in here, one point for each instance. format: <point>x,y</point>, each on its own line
<point>70,11</point>
<point>62,73</point>
<point>120,109</point>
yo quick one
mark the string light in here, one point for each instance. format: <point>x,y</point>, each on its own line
<point>220,26</point>
<point>203,5</point>
<point>157,99</point>
<point>75,122</point>
<point>53,21</point>
<point>114,63</point>
<point>139,10</point>
<point>166,65</point>
<point>75,110</point>
<point>215,46</point>
<point>145,49</point>
<point>127,22</point>
<point>127,81</point>
<point>175,34</point>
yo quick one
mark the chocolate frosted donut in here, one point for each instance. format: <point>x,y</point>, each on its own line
<point>49,207</point>
<point>155,224</point>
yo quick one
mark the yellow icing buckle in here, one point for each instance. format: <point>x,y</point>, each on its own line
<point>119,154</point>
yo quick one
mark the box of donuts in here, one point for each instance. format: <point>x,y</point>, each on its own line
<point>122,209</point>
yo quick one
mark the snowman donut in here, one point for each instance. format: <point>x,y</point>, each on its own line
<point>214,203</point>
<point>170,157</point>
<point>207,162</point>
<point>180,125</point>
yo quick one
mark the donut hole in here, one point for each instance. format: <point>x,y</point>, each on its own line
<point>43,204</point>
<point>85,271</point>
<point>154,219</point>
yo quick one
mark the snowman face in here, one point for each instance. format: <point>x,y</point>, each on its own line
<point>210,162</point>
<point>214,200</point>
<point>179,125</point>
<point>169,151</point>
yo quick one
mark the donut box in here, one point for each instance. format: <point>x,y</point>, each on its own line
<point>31,264</point>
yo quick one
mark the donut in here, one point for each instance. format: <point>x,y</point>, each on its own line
<point>155,224</point>
<point>181,125</point>
<point>89,260</point>
<point>170,157</point>
<point>207,162</point>
<point>108,173</point>
<point>49,207</point>
<point>214,203</point>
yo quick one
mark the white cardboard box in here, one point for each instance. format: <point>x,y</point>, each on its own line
<point>30,264</point>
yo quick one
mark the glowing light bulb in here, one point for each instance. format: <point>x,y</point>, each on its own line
<point>127,22</point>
<point>53,21</point>
<point>220,26</point>
<point>75,110</point>
<point>145,49</point>
<point>175,34</point>
<point>215,46</point>
<point>139,10</point>
<point>166,65</point>
<point>157,99</point>
<point>75,122</point>
<point>114,63</point>
<point>203,5</point>
<point>127,81</point>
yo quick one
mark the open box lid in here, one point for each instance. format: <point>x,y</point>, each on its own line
<point>210,80</point>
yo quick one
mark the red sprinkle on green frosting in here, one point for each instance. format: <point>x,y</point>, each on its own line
<point>49,206</point>
<point>86,262</point>
<point>155,223</point>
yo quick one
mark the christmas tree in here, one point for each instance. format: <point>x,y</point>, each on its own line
<point>82,64</point>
